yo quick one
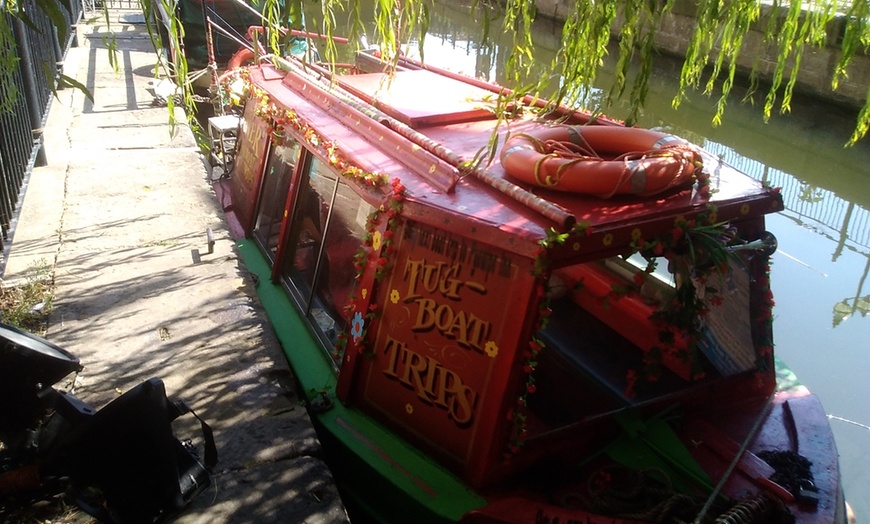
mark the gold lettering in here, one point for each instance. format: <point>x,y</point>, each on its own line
<point>443,317</point>
<point>413,267</point>
<point>437,277</point>
<point>425,315</point>
<point>415,365</point>
<point>449,286</point>
<point>391,348</point>
<point>434,384</point>
<point>468,330</point>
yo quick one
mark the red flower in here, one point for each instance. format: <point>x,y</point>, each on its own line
<point>531,388</point>
<point>528,368</point>
<point>382,262</point>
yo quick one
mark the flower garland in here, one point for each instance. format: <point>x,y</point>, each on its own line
<point>377,241</point>
<point>763,316</point>
<point>377,248</point>
<point>696,250</point>
<point>517,414</point>
<point>278,119</point>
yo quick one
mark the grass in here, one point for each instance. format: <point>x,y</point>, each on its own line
<point>27,304</point>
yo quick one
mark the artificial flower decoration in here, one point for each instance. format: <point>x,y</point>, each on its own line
<point>357,326</point>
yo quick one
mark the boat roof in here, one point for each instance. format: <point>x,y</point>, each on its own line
<point>490,205</point>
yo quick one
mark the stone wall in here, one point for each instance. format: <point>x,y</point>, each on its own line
<point>817,64</point>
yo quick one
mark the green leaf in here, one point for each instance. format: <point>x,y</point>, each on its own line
<point>72,82</point>
<point>52,9</point>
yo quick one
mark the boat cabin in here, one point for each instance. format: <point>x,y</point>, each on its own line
<point>498,325</point>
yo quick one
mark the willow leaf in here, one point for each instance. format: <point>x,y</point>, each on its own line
<point>52,10</point>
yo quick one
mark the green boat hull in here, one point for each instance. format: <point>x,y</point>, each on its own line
<point>379,475</point>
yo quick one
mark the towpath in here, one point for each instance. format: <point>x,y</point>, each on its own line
<point>119,216</point>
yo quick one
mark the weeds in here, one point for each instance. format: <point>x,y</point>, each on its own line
<point>27,304</point>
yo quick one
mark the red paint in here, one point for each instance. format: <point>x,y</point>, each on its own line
<point>461,347</point>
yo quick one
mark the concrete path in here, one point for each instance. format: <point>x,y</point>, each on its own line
<point>120,216</point>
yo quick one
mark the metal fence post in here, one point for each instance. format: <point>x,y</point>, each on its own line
<point>31,91</point>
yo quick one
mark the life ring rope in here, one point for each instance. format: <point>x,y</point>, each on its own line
<point>569,158</point>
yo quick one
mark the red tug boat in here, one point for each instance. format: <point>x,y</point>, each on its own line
<point>576,331</point>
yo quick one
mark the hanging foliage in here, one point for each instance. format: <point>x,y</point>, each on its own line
<point>789,27</point>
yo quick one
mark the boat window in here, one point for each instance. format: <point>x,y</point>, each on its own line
<point>608,347</point>
<point>327,230</point>
<point>273,195</point>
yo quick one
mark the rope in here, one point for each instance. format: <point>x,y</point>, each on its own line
<point>745,444</point>
<point>649,495</point>
<point>573,153</point>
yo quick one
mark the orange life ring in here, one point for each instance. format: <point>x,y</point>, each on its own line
<point>601,160</point>
<point>240,57</point>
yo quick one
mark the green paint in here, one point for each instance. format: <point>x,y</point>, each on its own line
<point>375,469</point>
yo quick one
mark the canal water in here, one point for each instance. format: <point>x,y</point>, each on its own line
<point>821,271</point>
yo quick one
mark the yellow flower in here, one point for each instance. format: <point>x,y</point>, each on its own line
<point>394,296</point>
<point>635,233</point>
<point>491,349</point>
<point>744,209</point>
<point>409,409</point>
<point>608,239</point>
<point>376,240</point>
<point>364,292</point>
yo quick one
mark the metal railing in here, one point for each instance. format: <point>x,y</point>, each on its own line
<point>843,220</point>
<point>26,91</point>
<point>97,5</point>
